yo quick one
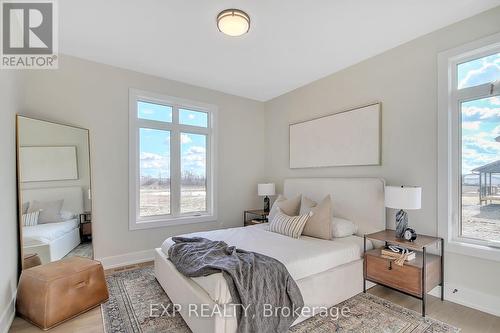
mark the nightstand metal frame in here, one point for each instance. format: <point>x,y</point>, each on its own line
<point>256,212</point>
<point>423,249</point>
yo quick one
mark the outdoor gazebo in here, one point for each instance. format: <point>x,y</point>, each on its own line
<point>488,191</point>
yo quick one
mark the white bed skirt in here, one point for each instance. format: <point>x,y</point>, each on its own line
<point>57,248</point>
<point>320,290</point>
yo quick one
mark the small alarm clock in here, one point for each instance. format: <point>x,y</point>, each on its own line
<point>410,234</point>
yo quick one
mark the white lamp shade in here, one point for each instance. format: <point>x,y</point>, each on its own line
<point>266,189</point>
<point>403,197</point>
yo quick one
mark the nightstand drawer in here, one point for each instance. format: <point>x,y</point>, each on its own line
<point>86,229</point>
<point>406,278</point>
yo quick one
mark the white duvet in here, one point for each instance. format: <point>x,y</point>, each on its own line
<point>48,232</point>
<point>302,257</point>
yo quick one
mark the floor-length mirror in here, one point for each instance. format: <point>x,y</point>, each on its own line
<point>54,191</point>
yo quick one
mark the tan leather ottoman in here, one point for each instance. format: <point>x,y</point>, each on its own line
<point>52,293</point>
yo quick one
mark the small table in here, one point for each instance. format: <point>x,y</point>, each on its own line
<point>416,277</point>
<point>86,226</point>
<point>253,213</point>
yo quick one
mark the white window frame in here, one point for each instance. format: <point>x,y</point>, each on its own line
<point>449,131</point>
<point>136,222</point>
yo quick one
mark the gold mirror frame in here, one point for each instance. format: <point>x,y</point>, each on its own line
<point>18,183</point>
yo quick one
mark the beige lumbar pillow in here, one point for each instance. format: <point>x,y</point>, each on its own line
<point>290,226</point>
<point>319,225</point>
<point>289,207</point>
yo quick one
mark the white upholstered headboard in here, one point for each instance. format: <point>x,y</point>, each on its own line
<point>360,200</point>
<point>73,197</point>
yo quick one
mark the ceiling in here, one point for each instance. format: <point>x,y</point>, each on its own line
<point>290,43</point>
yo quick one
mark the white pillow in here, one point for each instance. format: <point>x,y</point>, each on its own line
<point>343,228</point>
<point>66,216</point>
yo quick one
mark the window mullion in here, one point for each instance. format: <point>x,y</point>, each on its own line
<point>472,93</point>
<point>456,160</point>
<point>208,173</point>
<point>194,129</point>
<point>495,89</point>
<point>137,176</point>
<point>143,123</point>
<point>175,165</point>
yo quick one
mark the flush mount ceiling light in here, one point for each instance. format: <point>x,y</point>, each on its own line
<point>233,22</point>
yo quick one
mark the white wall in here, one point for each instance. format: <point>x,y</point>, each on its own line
<point>404,79</point>
<point>33,132</point>
<point>9,100</point>
<point>95,96</point>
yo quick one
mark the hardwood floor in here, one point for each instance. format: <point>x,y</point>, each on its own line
<point>89,322</point>
<point>469,320</point>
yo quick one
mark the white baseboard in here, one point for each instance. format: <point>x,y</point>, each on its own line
<point>7,316</point>
<point>469,298</point>
<point>131,258</point>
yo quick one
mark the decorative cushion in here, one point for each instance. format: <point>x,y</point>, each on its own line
<point>343,228</point>
<point>25,207</point>
<point>55,292</point>
<point>306,204</point>
<point>289,207</point>
<point>319,225</point>
<point>50,211</point>
<point>31,219</point>
<point>291,226</point>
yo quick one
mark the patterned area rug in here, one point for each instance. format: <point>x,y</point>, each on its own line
<point>83,250</point>
<point>133,292</point>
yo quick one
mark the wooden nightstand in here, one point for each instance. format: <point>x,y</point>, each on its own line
<point>416,277</point>
<point>86,226</point>
<point>251,216</point>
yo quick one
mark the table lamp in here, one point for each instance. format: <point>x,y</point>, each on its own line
<point>265,190</point>
<point>402,197</point>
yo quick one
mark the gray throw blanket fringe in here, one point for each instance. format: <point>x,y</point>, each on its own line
<point>253,280</point>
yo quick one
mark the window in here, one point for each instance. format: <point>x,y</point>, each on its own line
<point>469,146</point>
<point>480,169</point>
<point>171,161</point>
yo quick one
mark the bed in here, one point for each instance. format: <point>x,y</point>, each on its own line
<point>52,241</point>
<point>327,272</point>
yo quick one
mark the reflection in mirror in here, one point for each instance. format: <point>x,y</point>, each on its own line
<point>54,191</point>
